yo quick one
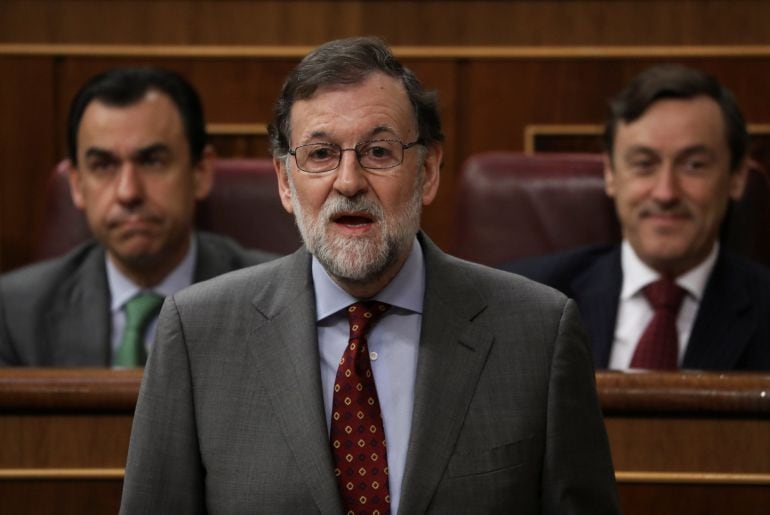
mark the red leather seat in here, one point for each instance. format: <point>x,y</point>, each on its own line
<point>243,204</point>
<point>513,205</point>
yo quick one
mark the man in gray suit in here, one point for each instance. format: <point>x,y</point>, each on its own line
<point>139,161</point>
<point>265,394</point>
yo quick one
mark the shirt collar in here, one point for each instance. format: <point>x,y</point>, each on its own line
<point>637,275</point>
<point>122,289</point>
<point>406,290</point>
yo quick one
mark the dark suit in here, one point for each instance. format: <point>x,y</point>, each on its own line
<point>230,417</point>
<point>57,312</point>
<point>732,327</point>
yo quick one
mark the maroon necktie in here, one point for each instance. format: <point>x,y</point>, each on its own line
<point>658,348</point>
<point>357,435</point>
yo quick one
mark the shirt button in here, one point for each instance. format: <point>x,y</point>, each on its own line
<point>372,355</point>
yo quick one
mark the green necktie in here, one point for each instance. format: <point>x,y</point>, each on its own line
<point>139,311</point>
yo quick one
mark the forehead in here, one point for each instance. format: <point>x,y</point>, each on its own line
<point>154,118</point>
<point>379,104</point>
<point>673,124</point>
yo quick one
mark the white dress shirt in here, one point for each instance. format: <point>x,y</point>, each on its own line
<point>122,289</point>
<point>635,313</point>
<point>393,346</point>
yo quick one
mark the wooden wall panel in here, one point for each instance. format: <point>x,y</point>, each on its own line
<point>693,499</point>
<point>503,96</point>
<point>487,102</point>
<point>233,90</point>
<point>401,22</point>
<point>681,442</point>
<point>27,121</point>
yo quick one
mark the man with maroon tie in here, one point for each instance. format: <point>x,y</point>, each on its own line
<point>669,296</point>
<point>369,372</point>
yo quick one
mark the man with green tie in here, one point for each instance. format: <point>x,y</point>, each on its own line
<point>139,162</point>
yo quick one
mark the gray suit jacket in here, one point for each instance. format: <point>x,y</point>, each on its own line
<point>57,312</point>
<point>230,417</point>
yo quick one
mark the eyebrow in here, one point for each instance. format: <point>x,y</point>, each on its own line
<point>376,131</point>
<point>101,153</point>
<point>687,151</point>
<point>695,149</point>
<point>638,150</point>
<point>149,150</point>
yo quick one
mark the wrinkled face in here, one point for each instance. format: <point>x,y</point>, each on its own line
<point>359,224</point>
<point>136,184</point>
<point>671,181</point>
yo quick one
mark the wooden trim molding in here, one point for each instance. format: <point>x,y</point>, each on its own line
<point>62,474</point>
<point>237,129</point>
<point>684,392</point>
<point>412,52</point>
<point>533,131</point>
<point>708,478</point>
<point>69,389</point>
<point>651,392</point>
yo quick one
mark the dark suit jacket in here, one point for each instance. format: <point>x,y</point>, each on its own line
<point>57,312</point>
<point>732,327</point>
<point>230,417</point>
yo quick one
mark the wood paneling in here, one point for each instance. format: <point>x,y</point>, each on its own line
<point>488,98</point>
<point>413,22</point>
<point>27,125</point>
<point>657,499</point>
<point>681,443</point>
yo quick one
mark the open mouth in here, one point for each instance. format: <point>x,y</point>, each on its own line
<point>353,220</point>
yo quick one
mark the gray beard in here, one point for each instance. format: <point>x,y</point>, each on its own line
<point>358,260</point>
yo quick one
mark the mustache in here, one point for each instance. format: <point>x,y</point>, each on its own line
<point>656,209</point>
<point>338,205</point>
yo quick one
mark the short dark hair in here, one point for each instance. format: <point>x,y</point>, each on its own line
<point>679,82</point>
<point>122,87</point>
<point>349,62</point>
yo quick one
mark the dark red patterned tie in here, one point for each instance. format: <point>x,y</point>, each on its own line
<point>357,435</point>
<point>658,348</point>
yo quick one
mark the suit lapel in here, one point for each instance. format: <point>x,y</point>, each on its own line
<point>78,325</point>
<point>451,357</point>
<point>597,292</point>
<point>287,361</point>
<point>724,323</point>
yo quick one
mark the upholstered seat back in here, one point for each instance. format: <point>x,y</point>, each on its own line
<point>512,205</point>
<point>243,204</point>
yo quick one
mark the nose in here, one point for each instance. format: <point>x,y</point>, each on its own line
<point>666,189</point>
<point>128,189</point>
<point>350,179</point>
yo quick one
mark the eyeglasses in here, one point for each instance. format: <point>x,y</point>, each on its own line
<point>371,155</point>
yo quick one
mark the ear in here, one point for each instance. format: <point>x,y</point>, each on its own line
<point>609,175</point>
<point>432,173</point>
<point>76,186</point>
<point>284,189</point>
<point>740,176</point>
<point>203,173</point>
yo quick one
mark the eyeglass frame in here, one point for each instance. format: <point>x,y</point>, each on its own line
<point>404,147</point>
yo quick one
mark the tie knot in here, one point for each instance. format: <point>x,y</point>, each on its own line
<point>664,294</point>
<point>363,315</point>
<point>141,308</point>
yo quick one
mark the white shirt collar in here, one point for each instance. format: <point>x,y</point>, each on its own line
<point>406,290</point>
<point>122,289</point>
<point>637,275</point>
